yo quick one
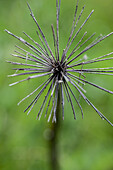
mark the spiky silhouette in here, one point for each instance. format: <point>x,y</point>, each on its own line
<point>62,71</point>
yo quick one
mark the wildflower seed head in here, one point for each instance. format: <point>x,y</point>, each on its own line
<point>61,71</point>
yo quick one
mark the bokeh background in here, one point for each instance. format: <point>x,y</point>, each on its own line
<point>84,144</point>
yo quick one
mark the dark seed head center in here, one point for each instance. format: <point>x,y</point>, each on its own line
<point>59,70</point>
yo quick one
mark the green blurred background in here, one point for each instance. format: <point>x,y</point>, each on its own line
<point>84,144</point>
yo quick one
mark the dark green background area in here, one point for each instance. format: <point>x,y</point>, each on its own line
<point>84,144</point>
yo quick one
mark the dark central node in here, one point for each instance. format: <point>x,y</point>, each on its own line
<point>59,70</point>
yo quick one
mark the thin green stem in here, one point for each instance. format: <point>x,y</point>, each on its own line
<point>54,148</point>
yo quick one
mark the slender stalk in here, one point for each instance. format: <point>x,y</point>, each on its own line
<point>53,143</point>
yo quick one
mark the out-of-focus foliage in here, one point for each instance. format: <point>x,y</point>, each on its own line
<point>83,144</point>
